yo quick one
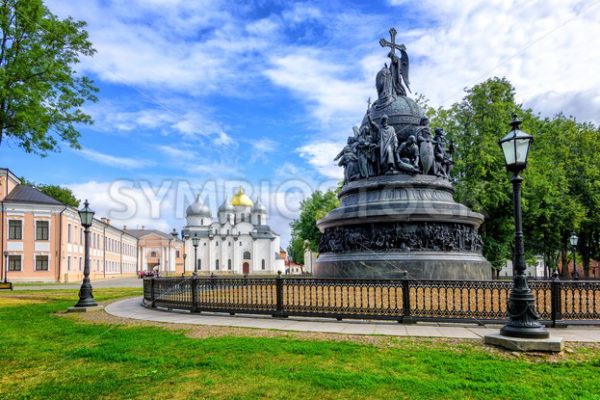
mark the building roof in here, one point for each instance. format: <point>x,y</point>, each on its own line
<point>241,199</point>
<point>29,194</point>
<point>139,233</point>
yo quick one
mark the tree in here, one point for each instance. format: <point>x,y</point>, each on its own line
<point>64,195</point>
<point>304,229</point>
<point>40,93</point>
<point>561,190</point>
<point>474,126</point>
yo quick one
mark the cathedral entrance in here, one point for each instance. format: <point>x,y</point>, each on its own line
<point>245,268</point>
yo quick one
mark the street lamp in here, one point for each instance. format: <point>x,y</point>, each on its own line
<point>86,297</point>
<point>5,266</point>
<point>195,241</point>
<point>523,318</point>
<point>573,241</point>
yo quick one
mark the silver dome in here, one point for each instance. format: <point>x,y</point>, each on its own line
<point>258,207</point>
<point>198,208</point>
<point>226,206</point>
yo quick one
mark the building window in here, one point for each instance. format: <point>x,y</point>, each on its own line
<point>80,263</point>
<point>42,230</point>
<point>240,244</point>
<point>247,255</point>
<point>152,254</point>
<point>14,263</point>
<point>68,263</point>
<point>69,233</point>
<point>229,244</point>
<point>260,219</point>
<point>263,264</point>
<point>201,222</point>
<point>229,264</point>
<point>15,229</point>
<point>217,244</point>
<point>177,253</point>
<point>216,264</point>
<point>41,263</point>
<point>199,264</point>
<point>242,217</point>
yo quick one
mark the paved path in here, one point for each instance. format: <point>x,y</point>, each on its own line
<point>105,283</point>
<point>132,308</point>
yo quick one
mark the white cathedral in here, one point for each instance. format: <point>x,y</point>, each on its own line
<point>238,242</point>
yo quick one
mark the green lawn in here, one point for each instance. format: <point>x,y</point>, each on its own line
<point>46,356</point>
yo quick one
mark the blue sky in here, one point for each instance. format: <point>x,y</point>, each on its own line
<point>202,96</point>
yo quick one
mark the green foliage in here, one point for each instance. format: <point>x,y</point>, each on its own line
<point>40,94</point>
<point>561,188</point>
<point>53,356</point>
<point>64,195</point>
<point>305,233</point>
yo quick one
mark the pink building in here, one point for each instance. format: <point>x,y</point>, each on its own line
<point>43,240</point>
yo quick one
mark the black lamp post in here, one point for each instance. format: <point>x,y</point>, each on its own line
<point>5,266</point>
<point>573,241</point>
<point>523,318</point>
<point>195,241</point>
<point>86,297</point>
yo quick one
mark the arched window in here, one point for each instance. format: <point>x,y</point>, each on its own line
<point>247,255</point>
<point>260,219</point>
<point>201,222</point>
<point>152,254</point>
<point>216,264</point>
<point>242,215</point>
<point>229,264</point>
<point>263,263</point>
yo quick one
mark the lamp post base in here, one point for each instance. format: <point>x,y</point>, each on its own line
<point>525,332</point>
<point>553,345</point>
<point>523,317</point>
<point>86,298</point>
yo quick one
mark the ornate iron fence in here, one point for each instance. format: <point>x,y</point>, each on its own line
<point>558,302</point>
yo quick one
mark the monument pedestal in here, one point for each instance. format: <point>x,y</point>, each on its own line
<point>401,226</point>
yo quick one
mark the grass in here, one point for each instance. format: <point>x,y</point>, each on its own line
<point>49,356</point>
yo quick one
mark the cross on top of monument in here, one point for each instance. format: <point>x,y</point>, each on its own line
<point>392,44</point>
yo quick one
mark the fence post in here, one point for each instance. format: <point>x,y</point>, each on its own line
<point>556,293</point>
<point>194,294</point>
<point>152,295</point>
<point>406,317</point>
<point>279,296</point>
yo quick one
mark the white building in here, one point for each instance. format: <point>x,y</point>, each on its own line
<point>238,241</point>
<point>533,270</point>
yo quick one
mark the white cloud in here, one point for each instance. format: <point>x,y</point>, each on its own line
<point>114,161</point>
<point>261,148</point>
<point>320,155</point>
<point>161,205</point>
<point>124,204</point>
<point>545,48</point>
<point>193,47</point>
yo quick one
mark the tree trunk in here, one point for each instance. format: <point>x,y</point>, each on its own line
<point>564,260</point>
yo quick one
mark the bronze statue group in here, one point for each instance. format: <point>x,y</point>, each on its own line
<point>375,150</point>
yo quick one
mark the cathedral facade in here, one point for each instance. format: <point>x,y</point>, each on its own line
<point>237,241</point>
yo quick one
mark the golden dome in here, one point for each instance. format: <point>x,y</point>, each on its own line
<point>240,199</point>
